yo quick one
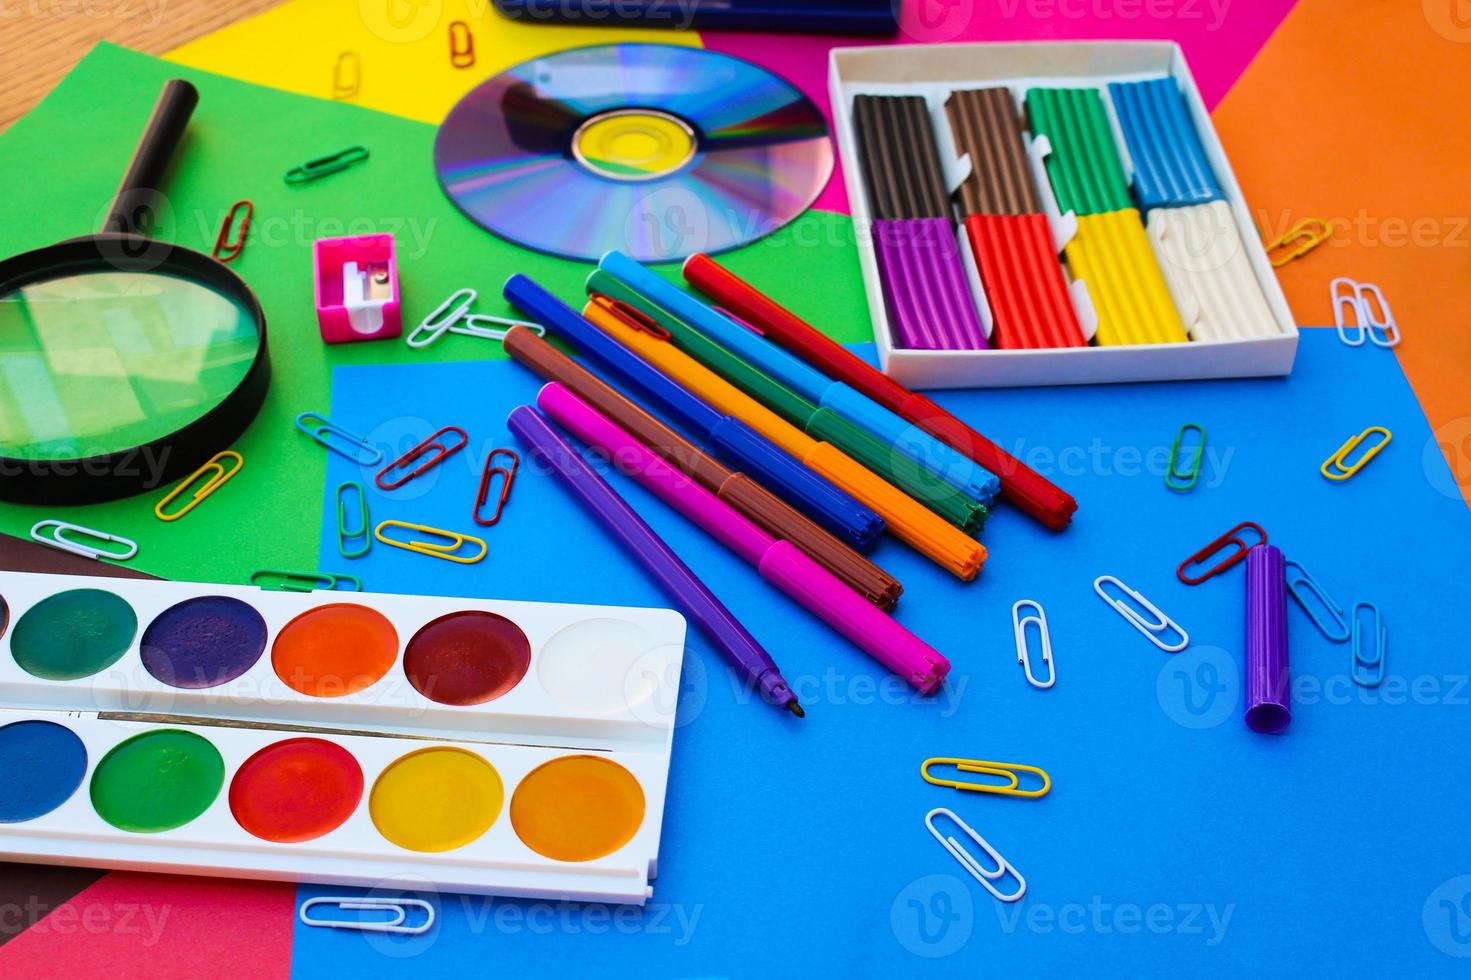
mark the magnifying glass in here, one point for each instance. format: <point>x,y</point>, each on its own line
<point>125,362</point>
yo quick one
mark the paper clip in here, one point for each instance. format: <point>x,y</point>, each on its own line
<point>454,316</point>
<point>346,444</point>
<point>1372,317</point>
<point>1009,771</point>
<point>968,862</point>
<point>1176,480</point>
<point>482,496</point>
<point>398,906</point>
<point>461,44</point>
<point>275,580</point>
<point>1151,630</point>
<point>433,326</point>
<point>227,249</point>
<point>53,535</point>
<point>1210,550</point>
<point>1302,585</point>
<point>1336,467</point>
<point>1019,625</point>
<point>1302,238</point>
<point>322,166</point>
<point>440,452</point>
<point>455,541</point>
<point>469,326</point>
<point>1369,671</point>
<point>347,75</point>
<point>344,534</point>
<point>217,480</point>
<point>631,316</point>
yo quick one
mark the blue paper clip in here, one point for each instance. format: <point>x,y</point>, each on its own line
<point>1369,671</point>
<point>338,439</point>
<point>1303,586</point>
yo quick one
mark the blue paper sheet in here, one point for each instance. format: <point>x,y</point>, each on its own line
<point>1174,839</point>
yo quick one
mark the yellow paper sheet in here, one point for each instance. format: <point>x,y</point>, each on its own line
<point>402,49</point>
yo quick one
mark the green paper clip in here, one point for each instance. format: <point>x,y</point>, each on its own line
<point>344,535</point>
<point>273,580</point>
<point>1176,480</point>
<point>322,166</point>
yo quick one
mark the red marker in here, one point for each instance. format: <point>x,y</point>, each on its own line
<point>1020,484</point>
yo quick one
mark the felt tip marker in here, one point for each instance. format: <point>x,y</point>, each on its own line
<point>645,546</point>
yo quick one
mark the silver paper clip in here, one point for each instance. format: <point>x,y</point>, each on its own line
<point>1372,317</point>
<point>398,906</point>
<point>1301,585</point>
<point>53,535</point>
<point>985,876</point>
<point>1152,630</point>
<point>1368,671</point>
<point>1019,625</point>
<point>454,316</point>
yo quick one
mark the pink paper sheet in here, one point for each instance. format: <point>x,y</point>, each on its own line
<point>1220,38</point>
<point>161,927</point>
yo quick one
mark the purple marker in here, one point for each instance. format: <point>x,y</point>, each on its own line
<point>682,585</point>
<point>1268,680</point>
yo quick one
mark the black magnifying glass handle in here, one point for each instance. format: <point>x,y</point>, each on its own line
<point>134,205</point>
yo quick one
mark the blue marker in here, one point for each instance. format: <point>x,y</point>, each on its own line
<point>734,441</point>
<point>956,469</point>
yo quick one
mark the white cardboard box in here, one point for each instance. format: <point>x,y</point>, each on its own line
<point>934,71</point>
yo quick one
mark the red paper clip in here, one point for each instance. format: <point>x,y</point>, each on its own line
<point>430,445</point>
<point>1200,557</point>
<point>631,316</point>
<point>461,44</point>
<point>225,250</point>
<point>483,496</point>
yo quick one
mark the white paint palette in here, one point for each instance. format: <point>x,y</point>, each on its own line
<point>505,748</point>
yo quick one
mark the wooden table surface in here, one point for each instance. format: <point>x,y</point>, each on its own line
<point>40,40</point>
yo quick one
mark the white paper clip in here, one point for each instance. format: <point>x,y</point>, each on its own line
<point>454,316</point>
<point>1372,318</point>
<point>53,535</point>
<point>1019,625</point>
<point>399,906</point>
<point>986,877</point>
<point>1152,630</point>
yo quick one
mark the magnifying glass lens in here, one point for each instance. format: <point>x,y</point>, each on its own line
<point>99,362</point>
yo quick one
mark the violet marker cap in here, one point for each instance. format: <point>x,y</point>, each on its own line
<point>1268,679</point>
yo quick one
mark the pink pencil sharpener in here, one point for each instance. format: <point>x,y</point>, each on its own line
<point>356,281</point>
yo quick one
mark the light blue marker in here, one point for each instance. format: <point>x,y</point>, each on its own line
<point>961,472</point>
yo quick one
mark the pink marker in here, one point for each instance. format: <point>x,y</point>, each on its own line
<point>780,562</point>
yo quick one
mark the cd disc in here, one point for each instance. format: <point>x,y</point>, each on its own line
<point>654,150</point>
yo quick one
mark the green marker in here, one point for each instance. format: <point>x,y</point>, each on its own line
<point>822,424</point>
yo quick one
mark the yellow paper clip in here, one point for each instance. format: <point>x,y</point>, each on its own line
<point>215,481</point>
<point>454,542</point>
<point>1009,771</point>
<point>1335,468</point>
<point>347,75</point>
<point>1301,238</point>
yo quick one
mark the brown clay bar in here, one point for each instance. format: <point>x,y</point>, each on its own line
<point>900,161</point>
<point>985,124</point>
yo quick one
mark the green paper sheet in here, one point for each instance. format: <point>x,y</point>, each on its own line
<point>62,162</point>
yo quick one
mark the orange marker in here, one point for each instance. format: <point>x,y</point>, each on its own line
<point>909,520</point>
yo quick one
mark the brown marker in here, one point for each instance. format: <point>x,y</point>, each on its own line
<point>738,490</point>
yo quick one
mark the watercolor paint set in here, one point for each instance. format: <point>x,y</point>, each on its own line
<point>507,748</point>
<point>1050,213</point>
